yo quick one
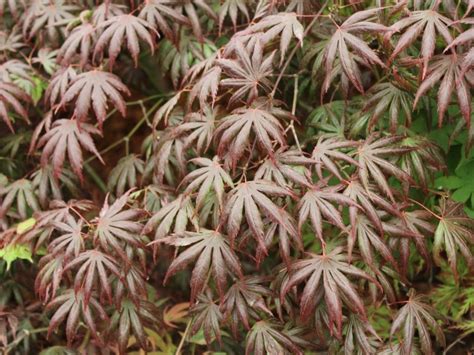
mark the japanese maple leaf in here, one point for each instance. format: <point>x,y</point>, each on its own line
<point>247,73</point>
<point>252,198</point>
<point>426,22</point>
<point>326,277</point>
<point>269,338</point>
<point>210,176</point>
<point>73,306</point>
<point>373,161</point>
<point>285,24</point>
<point>416,314</point>
<point>316,204</point>
<point>44,16</point>
<point>191,9</point>
<point>10,99</point>
<point>198,129</point>
<point>232,8</point>
<point>68,136</point>
<point>327,151</point>
<point>94,88</point>
<point>125,174</point>
<point>117,227</point>
<point>455,231</point>
<point>158,13</point>
<point>80,39</point>
<point>207,317</point>
<point>447,70</point>
<point>120,29</point>
<point>212,253</point>
<point>177,214</point>
<point>261,119</point>
<point>343,38</point>
<point>244,299</point>
<point>71,239</point>
<point>93,267</point>
<point>22,192</point>
<point>58,85</point>
<point>286,167</point>
<point>388,98</point>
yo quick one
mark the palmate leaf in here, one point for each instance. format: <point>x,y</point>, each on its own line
<point>93,267</point>
<point>418,222</point>
<point>252,200</point>
<point>131,319</point>
<point>105,11</point>
<point>416,314</point>
<point>58,85</point>
<point>244,300</point>
<point>44,16</point>
<point>231,8</point>
<point>15,69</point>
<point>326,277</point>
<point>22,192</point>
<point>68,136</point>
<point>248,73</point>
<point>447,70</point>
<point>79,40</point>
<point>327,150</point>
<point>455,231</point>
<point>343,38</point>
<point>209,177</point>
<point>172,218</point>
<point>11,97</point>
<point>157,13</point>
<point>190,8</point>
<point>207,316</point>
<point>361,337</point>
<point>95,88</point>
<point>120,29</point>
<point>124,174</point>
<point>426,22</point>
<point>267,337</point>
<point>72,307</point>
<point>317,203</point>
<point>71,240</point>
<point>386,97</point>
<point>117,227</point>
<point>284,24</point>
<point>423,160</point>
<point>286,167</point>
<point>261,119</point>
<point>368,240</point>
<point>214,255</point>
<point>207,85</point>
<point>198,129</point>
<point>49,187</point>
<point>374,162</point>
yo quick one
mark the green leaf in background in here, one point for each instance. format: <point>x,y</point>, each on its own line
<point>461,184</point>
<point>13,252</point>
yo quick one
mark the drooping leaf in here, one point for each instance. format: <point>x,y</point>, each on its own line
<point>342,39</point>
<point>252,199</point>
<point>212,253</point>
<point>416,314</point>
<point>210,176</point>
<point>267,337</point>
<point>10,101</point>
<point>124,174</point>
<point>72,307</point>
<point>455,231</point>
<point>122,29</point>
<point>68,136</point>
<point>248,74</point>
<point>326,277</point>
<point>94,88</point>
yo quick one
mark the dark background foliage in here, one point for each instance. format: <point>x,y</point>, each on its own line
<point>235,176</point>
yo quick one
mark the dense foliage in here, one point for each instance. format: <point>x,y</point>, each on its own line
<point>236,176</point>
